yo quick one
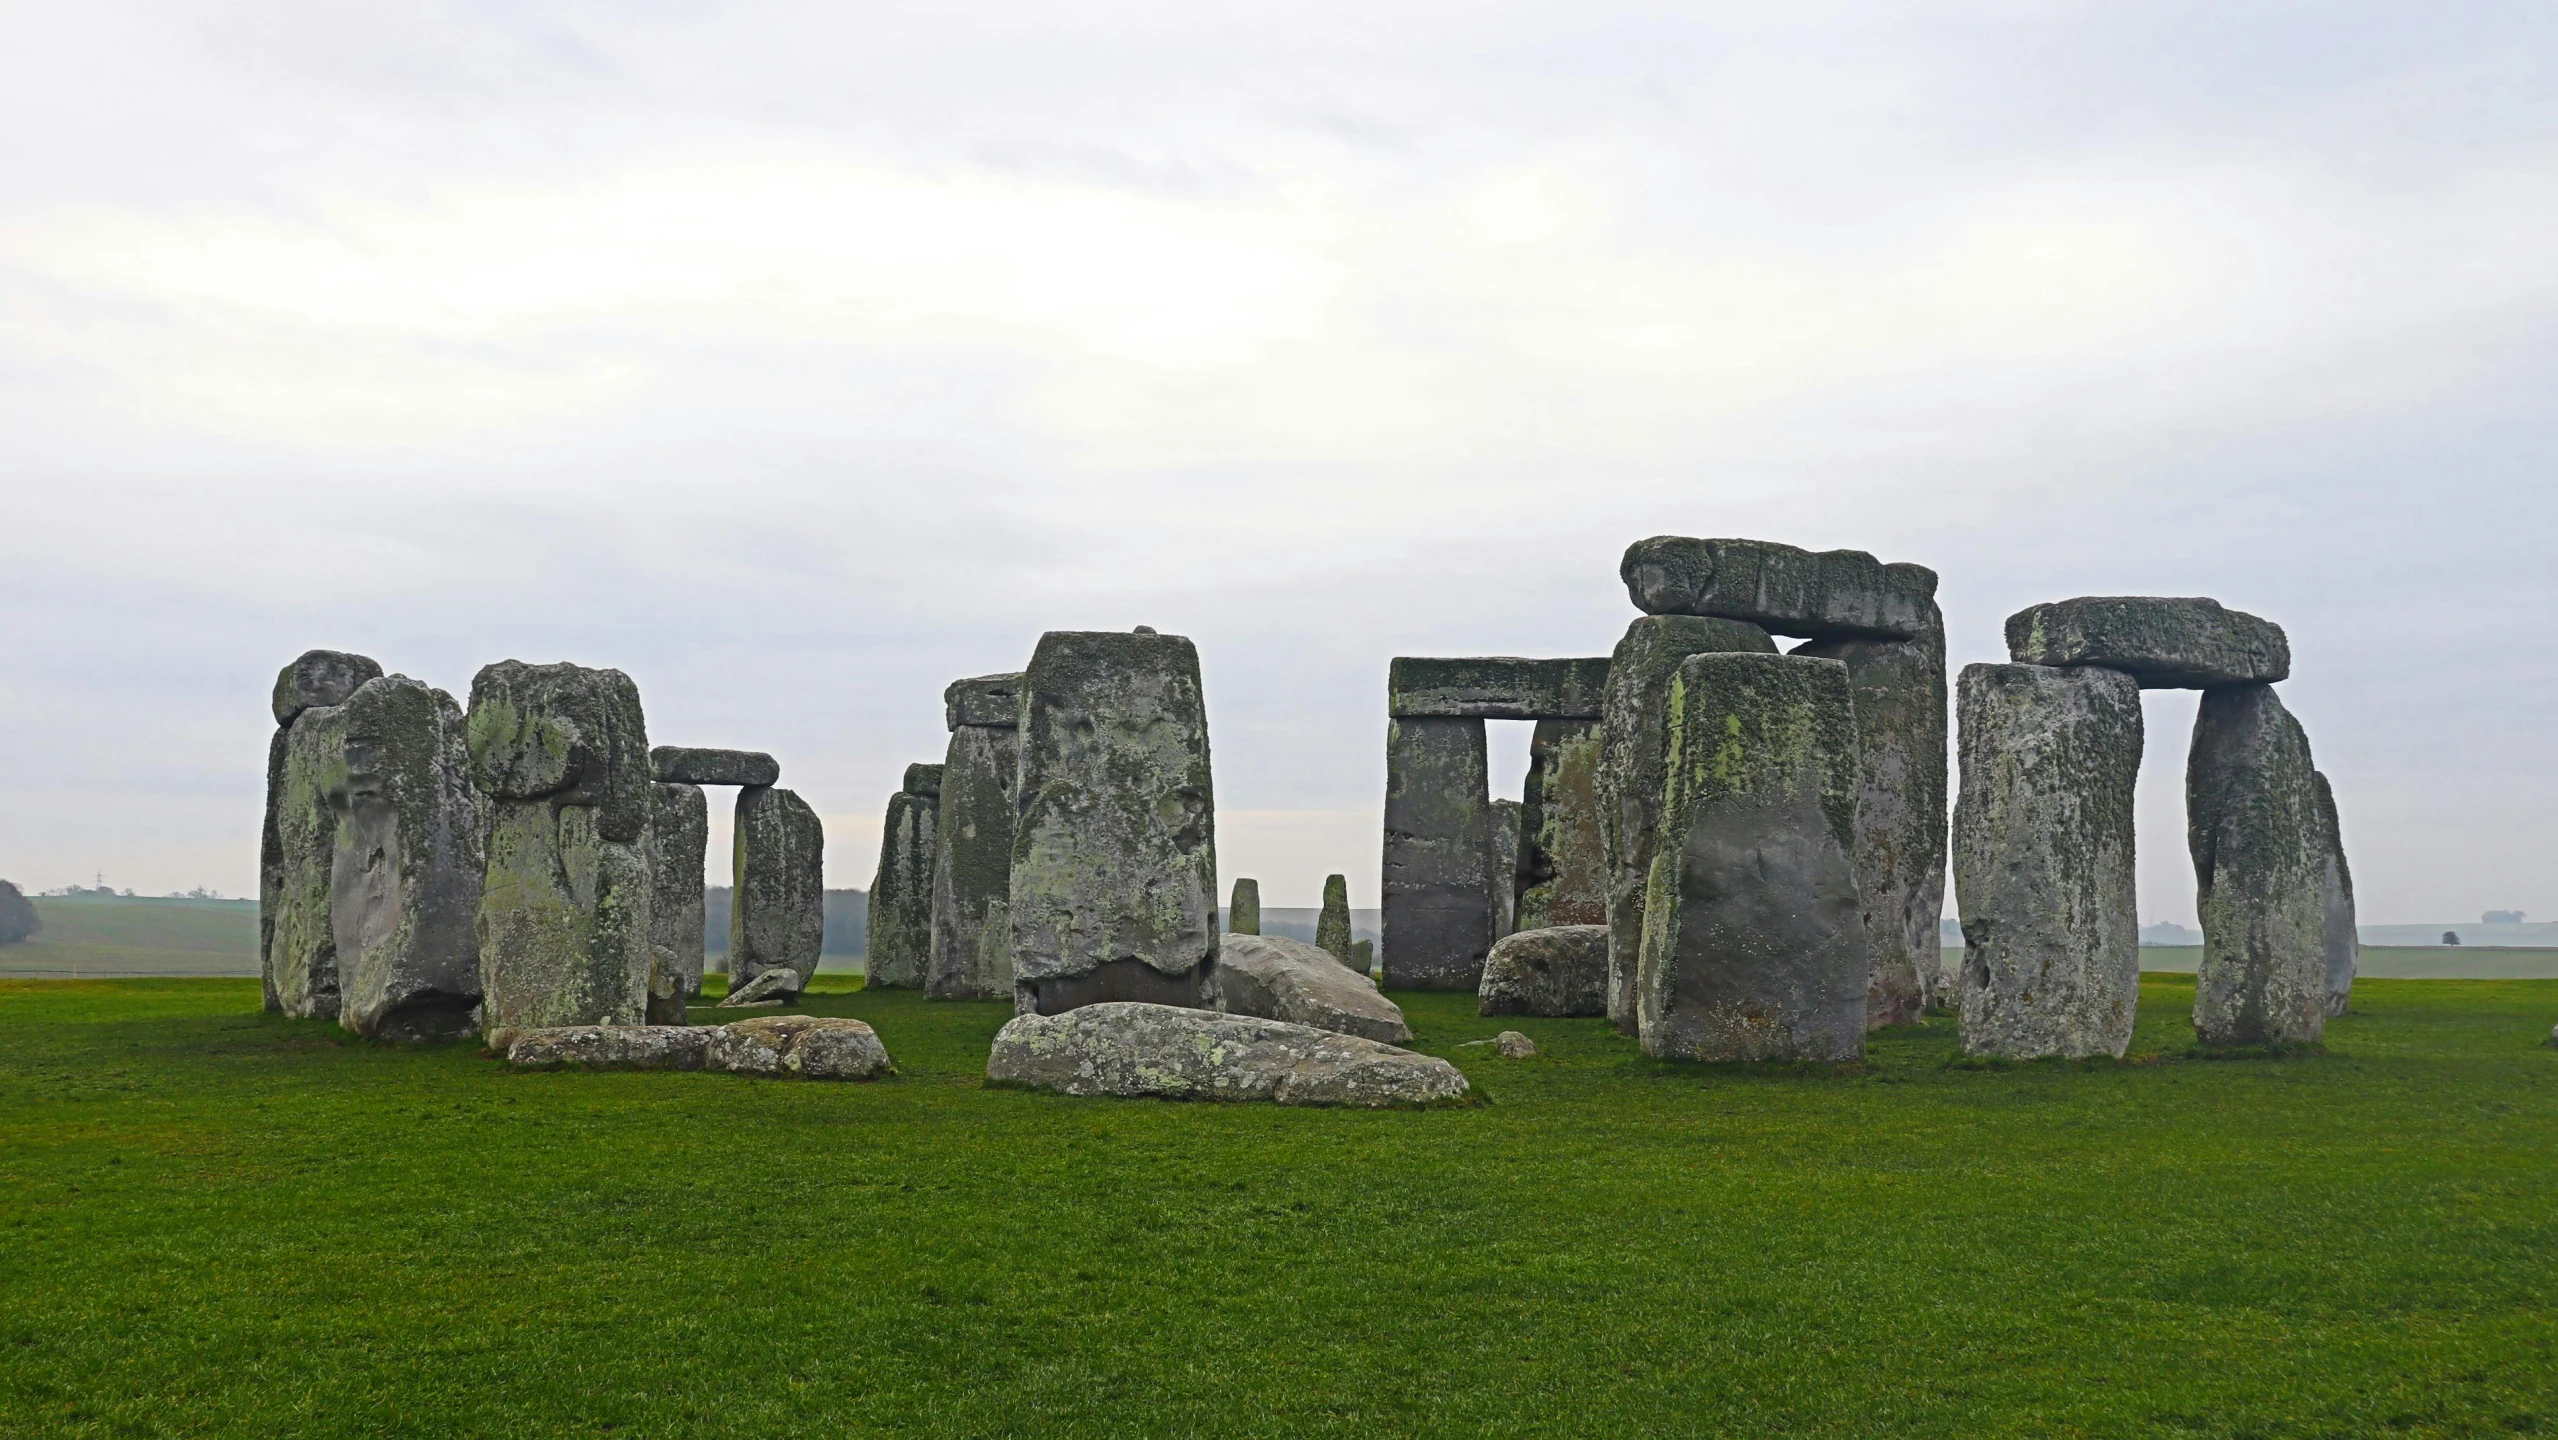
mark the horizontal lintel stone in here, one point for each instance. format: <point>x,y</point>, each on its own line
<point>1496,687</point>
<point>2163,642</point>
<point>983,700</point>
<point>691,765</point>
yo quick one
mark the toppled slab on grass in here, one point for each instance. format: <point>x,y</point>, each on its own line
<point>1272,977</point>
<point>809,1047</point>
<point>1118,1048</point>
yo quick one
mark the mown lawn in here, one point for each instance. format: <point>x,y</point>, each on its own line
<point>218,1223</point>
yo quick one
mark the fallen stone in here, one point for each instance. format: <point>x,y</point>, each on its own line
<point>1174,1053</point>
<point>1442,871</point>
<point>679,841</point>
<point>900,946</point>
<point>807,1047</point>
<point>1633,758</point>
<point>564,920</point>
<point>1753,942</point>
<point>1276,978</point>
<point>691,765</point>
<point>301,965</point>
<point>971,956</point>
<point>1243,912</point>
<point>2043,860</point>
<point>771,987</point>
<point>1495,687</point>
<point>1563,865</point>
<point>610,1047</point>
<point>1560,970</point>
<point>2341,937</point>
<point>2161,642</point>
<point>318,678</point>
<point>566,734</point>
<point>1114,861</point>
<point>1511,1045</point>
<point>1503,868</point>
<point>405,881</point>
<point>2260,870</point>
<point>1824,595</point>
<point>777,901</point>
<point>1332,927</point>
<point>1898,687</point>
<point>983,700</point>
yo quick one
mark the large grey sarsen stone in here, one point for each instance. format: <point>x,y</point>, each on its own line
<point>1442,877</point>
<point>2164,642</point>
<point>679,845</point>
<point>1495,687</point>
<point>900,945</point>
<point>777,903</point>
<point>971,955</point>
<point>405,885</point>
<point>1332,925</point>
<point>1562,862</point>
<point>567,734</point>
<point>320,677</point>
<point>983,700</point>
<point>1562,970</point>
<point>1277,978</point>
<point>1175,1053</point>
<point>2259,843</point>
<point>301,965</point>
<point>1824,595</point>
<point>695,765</point>
<point>2343,940</point>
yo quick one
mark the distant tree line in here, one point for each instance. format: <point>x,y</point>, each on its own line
<point>847,921</point>
<point>18,918</point>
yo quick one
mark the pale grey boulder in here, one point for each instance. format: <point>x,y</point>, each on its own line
<point>993,700</point>
<point>694,765</point>
<point>1114,863</point>
<point>1899,691</point>
<point>1563,864</point>
<point>679,844</point>
<point>777,896</point>
<point>1442,876</point>
<point>2259,844</point>
<point>1633,759</point>
<point>2163,642</point>
<point>1753,939</point>
<point>1332,925</point>
<point>971,955</point>
<point>1495,687</point>
<point>2043,860</point>
<point>900,945</point>
<point>1175,1053</point>
<point>610,1047</point>
<point>772,987</point>
<point>301,964</point>
<point>405,880</point>
<point>1502,869</point>
<point>1243,911</point>
<point>1823,595</point>
<point>1509,1045</point>
<point>320,678</point>
<point>805,1047</point>
<point>2341,938</point>
<point>1276,978</point>
<point>1560,970</point>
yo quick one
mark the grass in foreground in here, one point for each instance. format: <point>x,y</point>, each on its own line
<point>218,1223</point>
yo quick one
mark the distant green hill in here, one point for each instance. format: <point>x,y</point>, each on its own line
<point>137,935</point>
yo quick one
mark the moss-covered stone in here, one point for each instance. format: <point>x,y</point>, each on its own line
<point>563,921</point>
<point>777,900</point>
<point>405,884</point>
<point>971,957</point>
<point>924,780</point>
<point>1633,758</point>
<point>1560,970</point>
<point>2341,939</point>
<point>1753,940</point>
<point>2260,850</point>
<point>320,677</point>
<point>1115,852</point>
<point>2043,860</point>
<point>2162,642</point>
<point>1243,911</point>
<point>566,733</point>
<point>1188,1054</point>
<point>697,765</point>
<point>901,895</point>
<point>1496,687</point>
<point>679,840</point>
<point>1563,865</point>
<point>1824,595</point>
<point>301,964</point>
<point>983,700</point>
<point>1442,870</point>
<point>1899,690</point>
<point>1332,926</point>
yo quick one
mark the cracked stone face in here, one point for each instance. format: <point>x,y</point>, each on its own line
<point>566,733</point>
<point>405,881</point>
<point>1562,864</point>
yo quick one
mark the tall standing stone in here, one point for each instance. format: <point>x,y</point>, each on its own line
<point>777,899</point>
<point>1243,912</point>
<point>1332,927</point>
<point>971,955</point>
<point>2342,940</point>
<point>2260,866</point>
<point>2043,860</point>
<point>900,945</point>
<point>1441,861</point>
<point>315,679</point>
<point>1899,690</point>
<point>310,807</point>
<point>405,884</point>
<point>1114,868</point>
<point>1563,867</point>
<point>1503,879</point>
<point>1633,761</point>
<point>1753,941</point>
<point>565,911</point>
<point>679,843</point>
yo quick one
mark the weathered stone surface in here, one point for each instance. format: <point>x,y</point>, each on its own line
<point>2260,870</point>
<point>983,700</point>
<point>2043,860</point>
<point>679,843</point>
<point>320,677</point>
<point>923,779</point>
<point>563,921</point>
<point>1114,865</point>
<point>2162,642</point>
<point>2340,938</point>
<point>1561,970</point>
<point>1511,1045</point>
<point>1332,927</point>
<point>1898,687</point>
<point>1277,978</point>
<point>1563,863</point>
<point>772,987</point>
<point>1441,866</point>
<point>1182,1054</point>
<point>808,1047</point>
<point>1502,870</point>
<point>611,1047</point>
<point>1495,687</point>
<point>1633,767</point>
<point>271,867</point>
<point>301,966</point>
<point>405,880</point>
<point>972,872</point>
<point>777,900</point>
<point>1823,595</point>
<point>1753,940</point>
<point>693,765</point>
<point>1243,911</point>
<point>900,947</point>
<point>567,734</point>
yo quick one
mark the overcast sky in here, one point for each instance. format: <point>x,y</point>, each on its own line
<point>798,358</point>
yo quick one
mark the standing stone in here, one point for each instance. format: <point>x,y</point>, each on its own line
<point>1438,892</point>
<point>971,956</point>
<point>1332,927</point>
<point>1501,874</point>
<point>679,840</point>
<point>565,913</point>
<point>2260,869</point>
<point>317,678</point>
<point>2341,939</point>
<point>900,947</point>
<point>1633,765</point>
<point>1753,940</point>
<point>1899,690</point>
<point>777,900</point>
<point>1114,867</point>
<point>2043,860</point>
<point>405,885</point>
<point>1243,912</point>
<point>1563,868</point>
<point>310,807</point>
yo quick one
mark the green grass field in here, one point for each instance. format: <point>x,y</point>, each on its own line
<point>223,1224</point>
